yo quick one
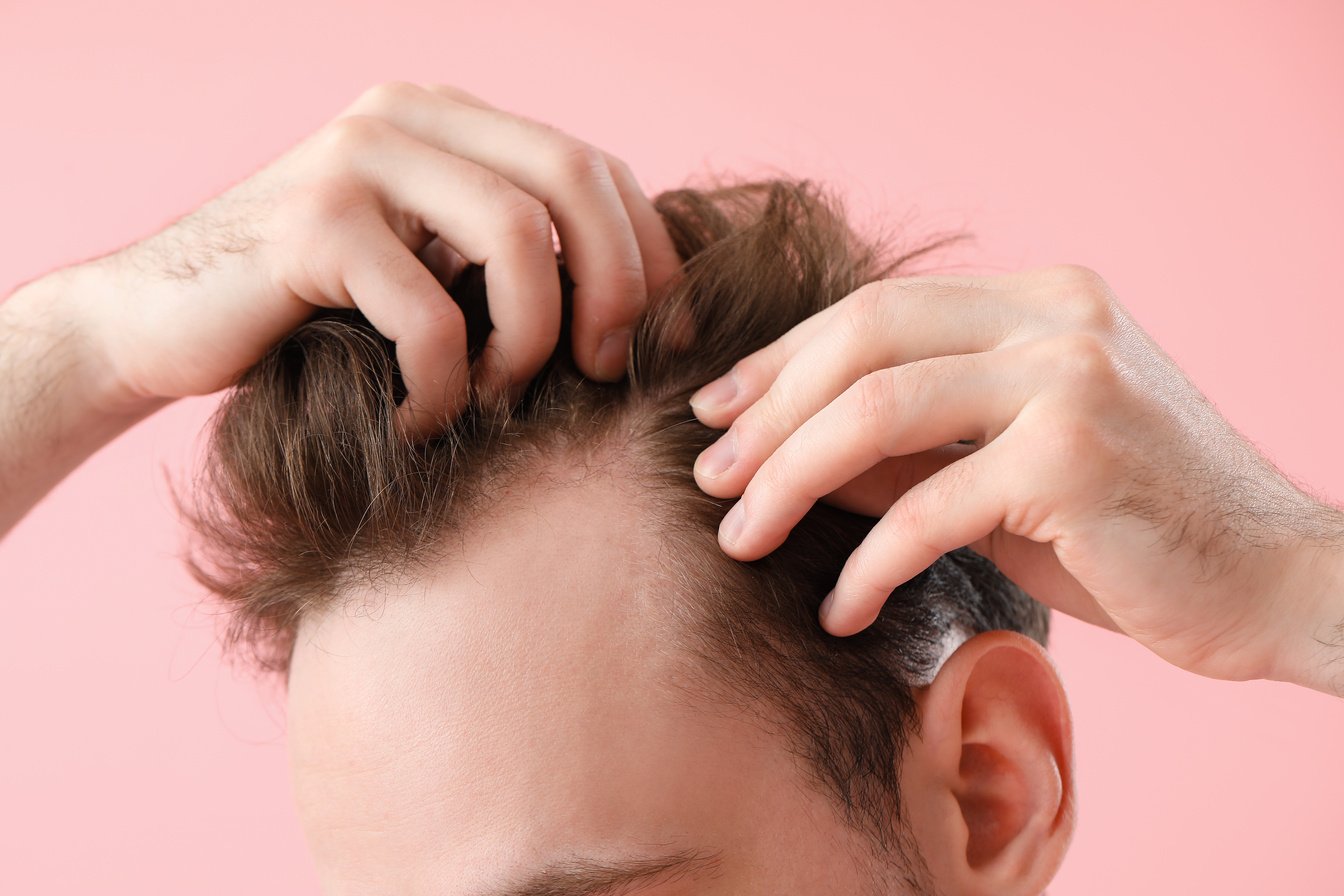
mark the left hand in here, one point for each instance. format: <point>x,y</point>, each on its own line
<point>1100,479</point>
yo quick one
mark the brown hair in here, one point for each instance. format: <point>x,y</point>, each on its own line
<point>307,487</point>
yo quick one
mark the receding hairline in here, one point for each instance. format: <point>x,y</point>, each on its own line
<point>311,479</point>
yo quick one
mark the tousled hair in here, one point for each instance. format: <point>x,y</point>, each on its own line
<point>308,488</point>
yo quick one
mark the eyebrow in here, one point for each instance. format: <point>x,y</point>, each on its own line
<point>598,877</point>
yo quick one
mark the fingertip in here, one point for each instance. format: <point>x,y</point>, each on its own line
<point>426,411</point>
<point>824,611</point>
<point>414,423</point>
<point>661,264</point>
<point>492,380</point>
<point>516,392</point>
<point>711,418</point>
<point>843,619</point>
<point>722,485</point>
<point>713,403</point>
<point>737,552</point>
<point>713,488</point>
<point>740,538</point>
<point>613,355</point>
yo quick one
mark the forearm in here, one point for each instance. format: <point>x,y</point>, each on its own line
<point>57,404</point>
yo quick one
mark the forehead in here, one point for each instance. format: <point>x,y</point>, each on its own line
<point>524,703</point>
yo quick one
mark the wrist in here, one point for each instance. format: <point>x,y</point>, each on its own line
<point>1313,654</point>
<point>65,312</point>
<point>56,404</point>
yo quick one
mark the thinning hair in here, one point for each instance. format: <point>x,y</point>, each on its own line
<point>307,487</point>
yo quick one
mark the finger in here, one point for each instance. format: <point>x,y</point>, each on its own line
<point>405,303</point>
<point>1036,568</point>
<point>721,401</point>
<point>873,491</point>
<point>660,257</point>
<point>460,95</point>
<point>963,502</point>
<point>880,327</point>
<point>572,180</point>
<point>718,403</point>
<point>889,413</point>
<point>442,260</point>
<point>488,221</point>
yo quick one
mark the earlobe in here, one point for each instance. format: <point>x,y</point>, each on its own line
<point>991,775</point>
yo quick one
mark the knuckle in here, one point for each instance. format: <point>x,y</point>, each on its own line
<point>1081,360</point>
<point>450,91</point>
<point>896,292</point>
<point>866,579</point>
<point>870,301</point>
<point>353,136</point>
<point>874,396</point>
<point>778,475</point>
<point>1084,297</point>
<point>619,169</point>
<point>524,219</point>
<point>625,273</point>
<point>768,422</point>
<point>955,479</point>
<point>575,162</point>
<point>1078,274</point>
<point>751,429</point>
<point>389,97</point>
<point>862,313</point>
<point>629,287</point>
<point>439,320</point>
<point>906,517</point>
<point>754,373</point>
<point>909,520</point>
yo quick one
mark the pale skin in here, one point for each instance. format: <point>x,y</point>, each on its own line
<point>529,709</point>
<point>1100,479</point>
<point>372,211</point>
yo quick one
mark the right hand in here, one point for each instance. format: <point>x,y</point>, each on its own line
<point>373,211</point>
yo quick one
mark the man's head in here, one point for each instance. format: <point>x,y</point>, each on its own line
<point>517,656</point>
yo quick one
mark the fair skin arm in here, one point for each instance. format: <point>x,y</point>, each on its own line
<point>54,406</point>
<point>1100,479</point>
<point>374,211</point>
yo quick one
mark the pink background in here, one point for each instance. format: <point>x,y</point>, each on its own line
<point>1189,152</point>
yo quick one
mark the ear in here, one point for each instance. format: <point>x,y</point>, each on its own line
<point>988,781</point>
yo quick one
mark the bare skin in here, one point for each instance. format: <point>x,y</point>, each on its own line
<point>526,720</point>
<point>1099,478</point>
<point>373,211</point>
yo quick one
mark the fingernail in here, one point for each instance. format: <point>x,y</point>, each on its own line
<point>733,524</point>
<point>612,354</point>
<point>717,458</point>
<point>825,609</point>
<point>716,395</point>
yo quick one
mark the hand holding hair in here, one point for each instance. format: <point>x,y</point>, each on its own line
<point>375,211</point>
<point>1097,476</point>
